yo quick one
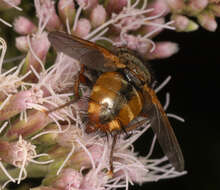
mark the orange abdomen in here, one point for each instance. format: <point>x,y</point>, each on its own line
<point>114,103</point>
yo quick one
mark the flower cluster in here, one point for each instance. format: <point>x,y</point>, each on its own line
<point>204,11</point>
<point>35,142</point>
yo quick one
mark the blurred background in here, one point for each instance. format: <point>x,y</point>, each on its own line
<point>194,92</point>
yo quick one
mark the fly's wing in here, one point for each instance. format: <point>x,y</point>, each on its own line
<point>162,128</point>
<point>90,54</point>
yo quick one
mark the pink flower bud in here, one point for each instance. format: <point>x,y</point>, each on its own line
<point>180,22</point>
<point>207,20</point>
<point>98,16</point>
<point>4,5</point>
<point>196,6</point>
<point>131,41</point>
<point>115,6</point>
<point>163,50</point>
<point>69,178</point>
<point>46,10</point>
<point>159,6</point>
<point>184,24</point>
<point>24,26</point>
<point>215,8</point>
<point>176,6</point>
<point>87,4</point>
<point>16,104</point>
<point>40,46</point>
<point>21,43</point>
<point>67,10</point>
<point>83,28</point>
<point>136,43</point>
<point>36,121</point>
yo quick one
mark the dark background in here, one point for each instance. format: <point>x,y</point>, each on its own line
<point>194,96</point>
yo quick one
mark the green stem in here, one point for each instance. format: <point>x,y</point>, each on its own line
<point>33,171</point>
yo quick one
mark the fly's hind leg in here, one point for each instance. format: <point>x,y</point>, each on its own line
<point>115,136</point>
<point>111,171</point>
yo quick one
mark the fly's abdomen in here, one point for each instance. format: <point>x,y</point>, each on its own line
<point>113,102</point>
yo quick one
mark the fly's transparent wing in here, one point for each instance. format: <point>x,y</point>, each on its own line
<point>90,54</point>
<point>162,128</point>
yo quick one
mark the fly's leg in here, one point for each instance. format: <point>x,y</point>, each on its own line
<point>80,78</point>
<point>111,171</point>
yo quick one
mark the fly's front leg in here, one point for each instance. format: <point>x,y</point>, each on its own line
<point>80,77</point>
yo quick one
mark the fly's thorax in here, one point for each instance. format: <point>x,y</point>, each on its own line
<point>136,71</point>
